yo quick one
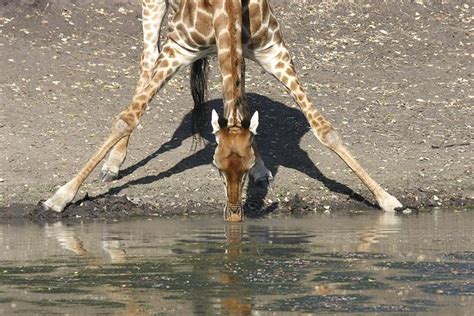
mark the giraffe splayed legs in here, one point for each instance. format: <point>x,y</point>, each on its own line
<point>233,29</point>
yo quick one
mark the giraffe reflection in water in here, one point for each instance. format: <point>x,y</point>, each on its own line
<point>218,255</point>
<point>352,261</point>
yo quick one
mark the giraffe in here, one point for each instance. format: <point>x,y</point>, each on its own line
<point>234,29</point>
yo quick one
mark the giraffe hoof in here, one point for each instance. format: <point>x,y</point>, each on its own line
<point>42,212</point>
<point>42,206</point>
<point>108,176</point>
<point>390,204</point>
<point>48,206</point>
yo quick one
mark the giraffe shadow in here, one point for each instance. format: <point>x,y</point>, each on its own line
<point>279,134</point>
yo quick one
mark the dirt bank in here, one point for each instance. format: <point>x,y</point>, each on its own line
<point>395,79</point>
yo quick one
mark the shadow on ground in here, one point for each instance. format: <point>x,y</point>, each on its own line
<point>279,136</point>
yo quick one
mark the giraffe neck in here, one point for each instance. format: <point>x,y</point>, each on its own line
<point>227,21</point>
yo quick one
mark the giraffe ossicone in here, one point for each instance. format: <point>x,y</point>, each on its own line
<point>234,30</point>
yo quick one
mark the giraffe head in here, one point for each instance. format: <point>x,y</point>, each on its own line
<point>234,156</point>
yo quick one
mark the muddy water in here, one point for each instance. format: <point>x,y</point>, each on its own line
<point>343,263</point>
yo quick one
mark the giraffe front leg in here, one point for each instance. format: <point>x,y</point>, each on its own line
<point>170,60</point>
<point>153,12</point>
<point>277,61</point>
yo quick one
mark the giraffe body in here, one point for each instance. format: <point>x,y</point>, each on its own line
<point>234,30</point>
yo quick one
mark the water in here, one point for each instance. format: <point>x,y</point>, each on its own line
<point>342,263</point>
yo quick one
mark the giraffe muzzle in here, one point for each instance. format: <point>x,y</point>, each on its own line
<point>233,213</point>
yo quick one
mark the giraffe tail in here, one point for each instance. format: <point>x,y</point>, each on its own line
<point>198,81</point>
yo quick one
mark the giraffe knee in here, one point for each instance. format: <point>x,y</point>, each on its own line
<point>122,127</point>
<point>330,139</point>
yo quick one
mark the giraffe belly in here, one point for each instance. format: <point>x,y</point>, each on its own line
<point>192,27</point>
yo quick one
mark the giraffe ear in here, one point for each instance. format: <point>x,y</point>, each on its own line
<point>215,122</point>
<point>254,123</point>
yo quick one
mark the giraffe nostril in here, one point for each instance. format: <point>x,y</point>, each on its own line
<point>234,208</point>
